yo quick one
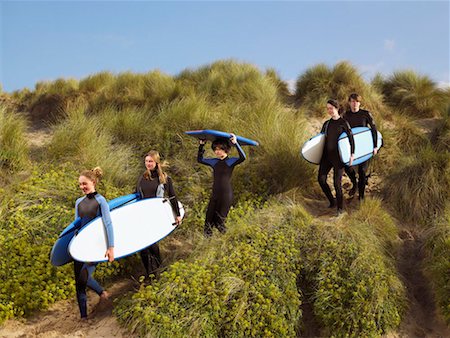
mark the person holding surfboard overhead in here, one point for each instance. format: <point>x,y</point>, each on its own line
<point>154,182</point>
<point>222,192</point>
<point>87,208</point>
<point>357,117</point>
<point>332,129</point>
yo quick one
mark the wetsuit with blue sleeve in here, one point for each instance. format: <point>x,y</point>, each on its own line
<point>331,159</point>
<point>87,208</point>
<point>361,118</point>
<point>149,187</point>
<point>222,191</point>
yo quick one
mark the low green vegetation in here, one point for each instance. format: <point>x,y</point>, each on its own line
<point>350,272</point>
<point>248,282</point>
<point>240,284</point>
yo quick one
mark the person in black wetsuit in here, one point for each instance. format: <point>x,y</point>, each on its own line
<point>87,208</point>
<point>332,129</point>
<point>222,192</point>
<point>154,182</point>
<point>357,117</point>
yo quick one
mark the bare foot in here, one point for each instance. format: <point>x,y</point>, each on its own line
<point>104,296</point>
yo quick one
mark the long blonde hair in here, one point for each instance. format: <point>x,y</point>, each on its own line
<point>95,175</point>
<point>159,167</point>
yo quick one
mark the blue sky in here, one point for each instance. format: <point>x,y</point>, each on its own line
<point>46,40</point>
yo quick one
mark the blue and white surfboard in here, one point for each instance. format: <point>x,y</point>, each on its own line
<point>363,145</point>
<point>60,253</point>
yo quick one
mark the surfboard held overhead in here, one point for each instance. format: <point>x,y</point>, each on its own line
<point>212,135</point>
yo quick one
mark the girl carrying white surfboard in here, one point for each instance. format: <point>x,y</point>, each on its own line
<point>154,182</point>
<point>87,208</point>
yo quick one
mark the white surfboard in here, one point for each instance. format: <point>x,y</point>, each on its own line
<point>363,145</point>
<point>313,148</point>
<point>135,225</point>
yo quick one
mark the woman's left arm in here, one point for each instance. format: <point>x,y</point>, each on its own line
<point>106,217</point>
<point>241,152</point>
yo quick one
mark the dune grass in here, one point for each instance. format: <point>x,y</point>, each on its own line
<point>228,80</point>
<point>13,142</point>
<point>321,82</point>
<point>441,138</point>
<point>418,188</point>
<point>438,263</point>
<point>83,140</point>
<point>412,94</point>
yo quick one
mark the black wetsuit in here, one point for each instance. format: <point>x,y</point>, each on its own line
<point>222,192</point>
<point>361,118</point>
<point>330,159</point>
<point>149,188</point>
<point>87,208</point>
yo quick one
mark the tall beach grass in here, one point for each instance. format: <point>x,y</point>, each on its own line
<point>13,141</point>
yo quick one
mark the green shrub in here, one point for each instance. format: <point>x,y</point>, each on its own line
<point>243,285</point>
<point>356,291</point>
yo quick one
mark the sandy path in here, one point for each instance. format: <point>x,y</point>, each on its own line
<point>62,319</point>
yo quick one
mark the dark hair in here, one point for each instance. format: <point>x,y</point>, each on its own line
<point>355,97</point>
<point>221,143</point>
<point>334,103</point>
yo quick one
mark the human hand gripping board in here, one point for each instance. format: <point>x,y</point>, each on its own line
<point>212,135</point>
<point>363,145</point>
<point>313,148</point>
<point>60,253</point>
<point>136,226</point>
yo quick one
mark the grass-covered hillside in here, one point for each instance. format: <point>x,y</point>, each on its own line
<point>281,263</point>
